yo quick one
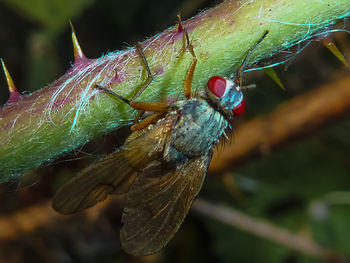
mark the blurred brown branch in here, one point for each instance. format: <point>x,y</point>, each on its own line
<point>26,220</point>
<point>42,216</point>
<point>302,115</point>
<point>31,218</point>
<point>263,229</point>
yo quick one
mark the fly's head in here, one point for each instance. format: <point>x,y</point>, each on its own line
<point>226,95</point>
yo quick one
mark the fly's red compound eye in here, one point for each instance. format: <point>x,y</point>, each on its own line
<point>217,86</point>
<point>239,109</point>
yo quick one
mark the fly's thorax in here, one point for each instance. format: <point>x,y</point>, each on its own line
<point>198,129</point>
<point>225,95</point>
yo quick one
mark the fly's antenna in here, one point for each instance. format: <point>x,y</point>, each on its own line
<point>238,74</point>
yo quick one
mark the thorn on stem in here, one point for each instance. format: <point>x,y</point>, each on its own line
<point>273,75</point>
<point>78,53</point>
<point>179,25</point>
<point>329,43</point>
<point>14,94</point>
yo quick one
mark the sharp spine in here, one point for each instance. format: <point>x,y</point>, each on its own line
<point>273,75</point>
<point>14,94</point>
<point>331,46</point>
<point>78,52</point>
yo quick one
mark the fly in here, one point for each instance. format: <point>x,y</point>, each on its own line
<point>162,165</point>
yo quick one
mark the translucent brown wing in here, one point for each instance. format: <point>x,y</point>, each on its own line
<point>115,173</point>
<point>157,203</point>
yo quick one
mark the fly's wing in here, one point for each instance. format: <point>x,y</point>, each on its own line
<point>157,203</point>
<point>115,173</point>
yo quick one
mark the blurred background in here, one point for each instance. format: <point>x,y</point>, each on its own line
<point>301,186</point>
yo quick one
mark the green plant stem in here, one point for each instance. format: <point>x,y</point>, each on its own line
<point>70,111</point>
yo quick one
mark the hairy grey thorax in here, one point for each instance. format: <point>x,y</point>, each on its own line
<point>197,130</point>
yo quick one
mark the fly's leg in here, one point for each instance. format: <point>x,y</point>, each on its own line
<point>150,106</point>
<point>191,68</point>
<point>145,84</point>
<point>163,107</point>
<point>149,73</point>
<point>141,106</point>
<point>147,121</point>
<point>144,106</point>
<point>112,94</point>
<point>158,107</point>
<point>190,71</point>
<point>148,81</point>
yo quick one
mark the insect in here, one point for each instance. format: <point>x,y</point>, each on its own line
<point>162,165</point>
